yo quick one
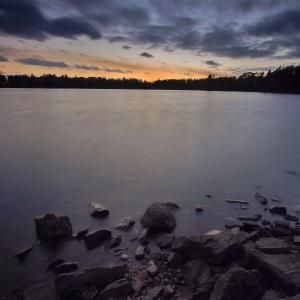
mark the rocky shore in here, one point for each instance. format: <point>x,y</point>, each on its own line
<point>252,258</point>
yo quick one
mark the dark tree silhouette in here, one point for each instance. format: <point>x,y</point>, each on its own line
<point>281,80</point>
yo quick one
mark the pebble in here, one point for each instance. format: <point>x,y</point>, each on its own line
<point>124,257</point>
<point>152,268</point>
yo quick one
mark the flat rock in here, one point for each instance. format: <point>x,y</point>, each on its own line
<point>159,217</point>
<point>248,226</point>
<point>237,201</point>
<point>279,210</point>
<point>271,245</point>
<point>282,223</point>
<point>237,284</point>
<point>115,241</point>
<point>196,272</point>
<point>97,210</point>
<point>125,224</point>
<point>51,227</point>
<point>97,237</point>
<point>164,240</point>
<point>278,231</point>
<point>66,267</point>
<point>213,232</point>
<point>262,199</point>
<point>253,218</point>
<point>120,288</point>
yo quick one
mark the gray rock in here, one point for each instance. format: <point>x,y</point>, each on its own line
<point>171,205</point>
<point>168,291</point>
<point>279,210</point>
<point>159,217</point>
<point>296,240</point>
<point>292,218</point>
<point>137,285</point>
<point>271,245</point>
<point>115,241</point>
<point>249,226</point>
<point>262,199</point>
<point>270,295</point>
<point>152,268</point>
<point>282,223</point>
<point>144,236</point>
<point>51,227</point>
<point>204,291</point>
<point>199,208</point>
<point>97,210</point>
<point>69,285</point>
<point>174,260</point>
<point>230,223</point>
<point>237,284</point>
<point>253,218</point>
<point>120,288</point>
<point>279,231</point>
<point>164,240</point>
<point>96,237</point>
<point>66,267</point>
<point>81,234</point>
<point>125,224</point>
<point>140,252</point>
<point>89,293</point>
<point>196,272</point>
<point>124,257</point>
<point>154,293</point>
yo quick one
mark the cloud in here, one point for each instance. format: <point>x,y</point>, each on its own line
<point>42,62</point>
<point>3,58</point>
<point>87,68</point>
<point>212,63</point>
<point>126,47</point>
<point>103,69</point>
<point>146,54</point>
<point>25,19</point>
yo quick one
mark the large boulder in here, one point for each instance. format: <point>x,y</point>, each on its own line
<point>271,245</point>
<point>159,217</point>
<point>51,227</point>
<point>237,284</point>
<point>69,285</point>
<point>97,237</point>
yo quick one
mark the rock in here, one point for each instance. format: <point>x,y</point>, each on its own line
<point>140,252</point>
<point>137,285</point>
<point>159,217</point>
<point>152,268</point>
<point>125,224</point>
<point>54,262</point>
<point>96,237</point>
<point>296,209</point>
<point>97,210</point>
<point>196,272</point>
<point>199,208</point>
<point>254,218</point>
<point>292,218</point>
<point>144,236</point>
<point>22,254</point>
<point>237,284</point>
<point>279,210</point>
<point>204,291</point>
<point>120,288</point>
<point>249,226</point>
<point>262,199</point>
<point>274,199</point>
<point>154,293</point>
<point>89,293</point>
<point>237,201</point>
<point>296,240</point>
<point>271,245</point>
<point>164,240</point>
<point>124,257</point>
<point>171,205</point>
<point>189,247</point>
<point>265,222</point>
<point>230,223</point>
<point>81,234</point>
<point>168,291</point>
<point>281,270</point>
<point>66,267</point>
<point>51,227</point>
<point>280,231</point>
<point>69,285</point>
<point>282,223</point>
<point>208,195</point>
<point>213,232</point>
<point>270,295</point>
<point>115,241</point>
<point>174,260</point>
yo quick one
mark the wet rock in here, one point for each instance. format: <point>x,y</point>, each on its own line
<point>278,231</point>
<point>119,288</point>
<point>254,218</point>
<point>115,241</point>
<point>296,240</point>
<point>279,210</point>
<point>124,257</point>
<point>213,232</point>
<point>125,224</point>
<point>69,285</point>
<point>237,284</point>
<point>196,272</point>
<point>208,195</point>
<point>171,205</point>
<point>97,210</point>
<point>204,291</point>
<point>274,199</point>
<point>140,252</point>
<point>282,223</point>
<point>271,245</point>
<point>164,240</point>
<point>230,223</point>
<point>236,201</point>
<point>174,260</point>
<point>82,233</point>
<point>152,268</point>
<point>144,236</point>
<point>154,293</point>
<point>265,222</point>
<point>54,262</point>
<point>159,217</point>
<point>292,218</point>
<point>188,246</point>
<point>199,208</point>
<point>22,254</point>
<point>249,226</point>
<point>270,295</point>
<point>262,199</point>
<point>89,293</point>
<point>51,227</point>
<point>96,237</point>
<point>66,267</point>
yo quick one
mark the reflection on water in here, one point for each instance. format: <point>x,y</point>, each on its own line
<point>62,149</point>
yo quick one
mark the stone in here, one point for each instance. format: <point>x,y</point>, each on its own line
<point>81,234</point>
<point>168,291</point>
<point>89,293</point>
<point>69,285</point>
<point>271,245</point>
<point>265,222</point>
<point>230,223</point>
<point>262,199</point>
<point>208,195</point>
<point>213,232</point>
<point>237,201</point>
<point>140,252</point>
<point>124,257</point>
<point>125,224</point>
<point>137,285</point>
<point>154,293</point>
<point>152,268</point>
<point>270,295</point>
<point>204,291</point>
<point>120,288</point>
<point>171,205</point>
<point>274,199</point>
<point>278,231</point>
<point>189,247</point>
<point>66,267</point>
<point>237,284</point>
<point>159,217</point>
<point>144,236</point>
<point>254,218</point>
<point>292,218</point>
<point>96,237</point>
<point>296,240</point>
<point>282,223</point>
<point>22,254</point>
<point>97,210</point>
<point>196,272</point>
<point>249,226</point>
<point>115,241</point>
<point>278,210</point>
<point>164,240</point>
<point>51,227</point>
<point>174,260</point>
<point>54,262</point>
<point>199,208</point>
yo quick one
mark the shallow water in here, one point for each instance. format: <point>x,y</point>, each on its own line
<point>62,149</point>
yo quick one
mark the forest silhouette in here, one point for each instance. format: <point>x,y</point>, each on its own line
<point>281,80</point>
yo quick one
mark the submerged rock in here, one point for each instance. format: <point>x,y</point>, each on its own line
<point>282,223</point>
<point>96,237</point>
<point>279,210</point>
<point>97,210</point>
<point>159,217</point>
<point>262,199</point>
<point>82,233</point>
<point>125,224</point>
<point>254,218</point>
<point>51,227</point>
<point>199,208</point>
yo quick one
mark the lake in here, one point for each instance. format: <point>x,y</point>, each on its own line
<point>62,149</point>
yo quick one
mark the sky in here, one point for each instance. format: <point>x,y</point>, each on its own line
<point>148,39</point>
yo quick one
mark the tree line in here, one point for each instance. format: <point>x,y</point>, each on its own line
<point>281,80</point>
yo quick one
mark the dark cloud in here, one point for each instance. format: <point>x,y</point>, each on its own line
<point>146,54</point>
<point>25,19</point>
<point>126,47</point>
<point>41,62</point>
<point>212,63</point>
<point>3,58</point>
<point>87,68</point>
<point>103,69</point>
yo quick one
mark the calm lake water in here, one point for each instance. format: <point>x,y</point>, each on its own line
<point>62,149</point>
